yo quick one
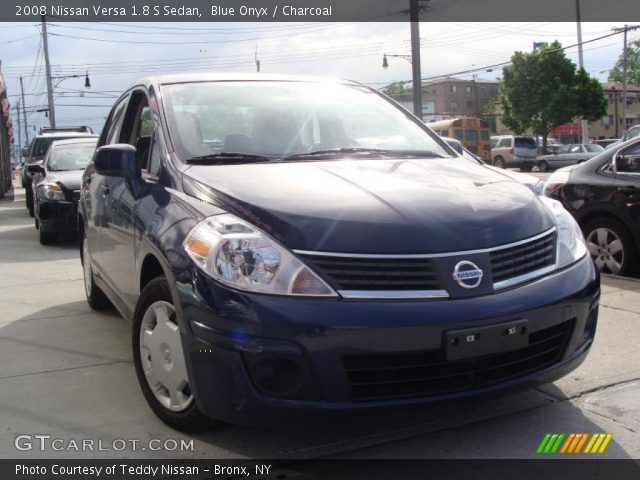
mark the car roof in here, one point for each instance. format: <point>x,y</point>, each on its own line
<point>67,134</point>
<point>220,77</point>
<point>93,139</point>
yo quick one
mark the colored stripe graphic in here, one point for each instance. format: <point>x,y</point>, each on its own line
<point>543,443</point>
<point>567,443</point>
<point>606,441</point>
<point>581,443</point>
<point>572,443</point>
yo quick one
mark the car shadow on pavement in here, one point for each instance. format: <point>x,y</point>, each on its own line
<point>67,371</point>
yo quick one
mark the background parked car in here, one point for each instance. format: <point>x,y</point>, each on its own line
<point>632,132</point>
<point>568,155</point>
<point>37,149</point>
<point>56,185</point>
<point>604,197</point>
<point>534,183</point>
<point>514,151</point>
<point>605,142</point>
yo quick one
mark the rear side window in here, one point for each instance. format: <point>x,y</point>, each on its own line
<point>525,142</point>
<point>504,143</point>
<point>471,135</point>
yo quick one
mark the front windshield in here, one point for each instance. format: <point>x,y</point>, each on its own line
<point>70,157</point>
<point>280,119</point>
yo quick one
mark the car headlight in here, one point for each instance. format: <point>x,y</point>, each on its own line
<point>51,191</point>
<point>571,243</point>
<point>237,254</point>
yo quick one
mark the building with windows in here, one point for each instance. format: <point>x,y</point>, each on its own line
<point>451,97</point>
<point>613,125</point>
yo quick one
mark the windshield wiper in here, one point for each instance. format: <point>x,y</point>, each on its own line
<point>228,157</point>
<point>360,151</point>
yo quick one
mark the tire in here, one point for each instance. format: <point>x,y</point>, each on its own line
<point>611,246</point>
<point>47,238</point>
<point>543,166</point>
<point>96,298</point>
<point>528,168</point>
<point>170,399</point>
<point>499,162</point>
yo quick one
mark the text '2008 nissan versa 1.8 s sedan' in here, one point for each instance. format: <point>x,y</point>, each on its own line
<point>292,246</point>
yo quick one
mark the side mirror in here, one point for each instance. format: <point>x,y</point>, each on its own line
<point>121,160</point>
<point>35,168</point>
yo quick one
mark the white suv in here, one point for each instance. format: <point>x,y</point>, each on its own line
<point>513,151</point>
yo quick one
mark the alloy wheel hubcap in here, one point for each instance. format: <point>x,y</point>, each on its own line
<point>606,249</point>
<point>162,357</point>
<point>86,267</point>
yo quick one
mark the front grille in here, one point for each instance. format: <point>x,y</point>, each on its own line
<point>522,259</point>
<point>73,196</point>
<point>419,374</point>
<point>352,273</point>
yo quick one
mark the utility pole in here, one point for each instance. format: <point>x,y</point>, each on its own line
<point>624,80</point>
<point>414,17</point>
<point>19,134</point>
<point>45,48</point>
<point>625,62</point>
<point>257,61</point>
<point>24,113</point>
<point>583,122</point>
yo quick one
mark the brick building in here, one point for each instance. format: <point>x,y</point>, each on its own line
<point>450,97</point>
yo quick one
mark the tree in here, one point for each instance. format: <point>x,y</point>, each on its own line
<point>633,65</point>
<point>543,89</point>
<point>396,89</point>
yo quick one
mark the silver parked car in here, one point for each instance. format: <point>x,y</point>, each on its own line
<point>568,155</point>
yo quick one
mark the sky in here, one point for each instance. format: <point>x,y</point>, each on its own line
<point>116,54</point>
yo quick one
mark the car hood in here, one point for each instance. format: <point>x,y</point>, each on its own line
<point>70,179</point>
<point>375,206</point>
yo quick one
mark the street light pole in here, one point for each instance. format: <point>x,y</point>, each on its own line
<point>414,17</point>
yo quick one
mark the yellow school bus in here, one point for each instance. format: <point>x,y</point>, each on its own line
<point>473,133</point>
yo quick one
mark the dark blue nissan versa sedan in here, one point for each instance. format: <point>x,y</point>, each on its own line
<point>297,246</point>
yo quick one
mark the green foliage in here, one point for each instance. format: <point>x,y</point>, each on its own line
<point>396,89</point>
<point>633,65</point>
<point>542,89</point>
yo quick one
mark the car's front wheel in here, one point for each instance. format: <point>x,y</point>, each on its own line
<point>499,162</point>
<point>611,246</point>
<point>47,238</point>
<point>160,361</point>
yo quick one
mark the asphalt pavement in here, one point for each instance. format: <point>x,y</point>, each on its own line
<point>66,372</point>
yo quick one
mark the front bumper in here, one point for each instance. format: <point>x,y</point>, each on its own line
<point>227,334</point>
<point>57,216</point>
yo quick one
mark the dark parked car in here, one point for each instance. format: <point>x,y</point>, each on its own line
<point>326,253</point>
<point>56,185</point>
<point>37,149</point>
<point>603,195</point>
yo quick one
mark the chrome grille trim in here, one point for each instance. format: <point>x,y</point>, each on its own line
<point>426,255</point>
